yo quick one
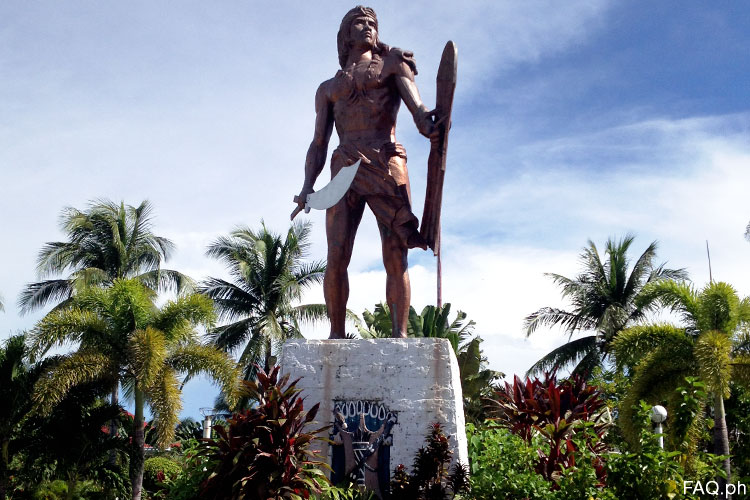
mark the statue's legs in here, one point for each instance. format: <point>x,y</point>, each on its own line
<point>384,186</point>
<point>397,286</point>
<point>342,221</point>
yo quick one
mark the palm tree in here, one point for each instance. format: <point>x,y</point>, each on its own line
<point>124,337</point>
<point>106,242</point>
<point>17,379</point>
<point>268,276</point>
<point>605,299</point>
<point>432,322</point>
<point>478,381</point>
<point>713,346</point>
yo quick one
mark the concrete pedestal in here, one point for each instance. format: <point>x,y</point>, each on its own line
<point>416,379</point>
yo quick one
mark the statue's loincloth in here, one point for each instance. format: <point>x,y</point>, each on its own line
<point>382,182</point>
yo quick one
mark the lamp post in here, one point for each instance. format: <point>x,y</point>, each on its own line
<point>658,416</point>
<point>208,415</point>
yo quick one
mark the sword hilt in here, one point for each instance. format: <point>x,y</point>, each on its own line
<point>299,208</point>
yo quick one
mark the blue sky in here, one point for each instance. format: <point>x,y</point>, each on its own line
<point>572,121</point>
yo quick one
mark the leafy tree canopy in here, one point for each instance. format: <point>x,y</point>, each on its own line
<point>105,242</point>
<point>606,297</point>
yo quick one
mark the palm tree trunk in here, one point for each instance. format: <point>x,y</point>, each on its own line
<point>115,399</point>
<point>137,452</point>
<point>721,443</point>
<point>4,462</point>
<point>267,363</point>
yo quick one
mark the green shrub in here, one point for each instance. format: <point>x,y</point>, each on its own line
<point>502,465</point>
<point>585,478</point>
<point>738,422</point>
<point>651,473</point>
<point>58,490</point>
<point>158,470</point>
<point>114,480</point>
<point>195,469</point>
<point>51,490</point>
<point>348,492</point>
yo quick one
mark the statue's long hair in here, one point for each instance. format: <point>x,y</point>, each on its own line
<point>343,41</point>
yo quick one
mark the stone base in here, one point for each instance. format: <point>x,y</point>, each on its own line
<point>417,379</point>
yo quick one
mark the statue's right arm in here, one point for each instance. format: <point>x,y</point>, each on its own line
<point>316,153</point>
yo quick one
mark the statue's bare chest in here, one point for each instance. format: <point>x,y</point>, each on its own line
<point>363,90</point>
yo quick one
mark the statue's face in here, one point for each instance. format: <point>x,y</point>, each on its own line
<point>363,31</point>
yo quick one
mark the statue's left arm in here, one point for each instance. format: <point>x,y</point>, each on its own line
<point>401,65</point>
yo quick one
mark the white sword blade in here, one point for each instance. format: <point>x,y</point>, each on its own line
<point>330,194</point>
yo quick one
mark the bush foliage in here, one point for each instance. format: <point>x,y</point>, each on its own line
<point>158,470</point>
<point>430,477</point>
<point>554,409</point>
<point>264,452</point>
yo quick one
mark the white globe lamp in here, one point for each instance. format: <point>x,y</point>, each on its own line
<point>658,417</point>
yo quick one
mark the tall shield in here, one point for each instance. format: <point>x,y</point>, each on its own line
<point>446,86</point>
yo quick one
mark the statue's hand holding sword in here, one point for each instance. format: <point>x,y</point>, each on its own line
<point>330,194</point>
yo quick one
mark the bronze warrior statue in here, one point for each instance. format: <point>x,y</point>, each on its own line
<point>362,101</point>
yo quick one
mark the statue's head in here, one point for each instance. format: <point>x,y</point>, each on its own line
<point>344,40</point>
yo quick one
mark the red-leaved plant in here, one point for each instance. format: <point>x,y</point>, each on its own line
<point>264,452</point>
<point>557,411</point>
<point>430,478</point>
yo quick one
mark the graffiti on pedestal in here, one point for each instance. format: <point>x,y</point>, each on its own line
<point>362,437</point>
